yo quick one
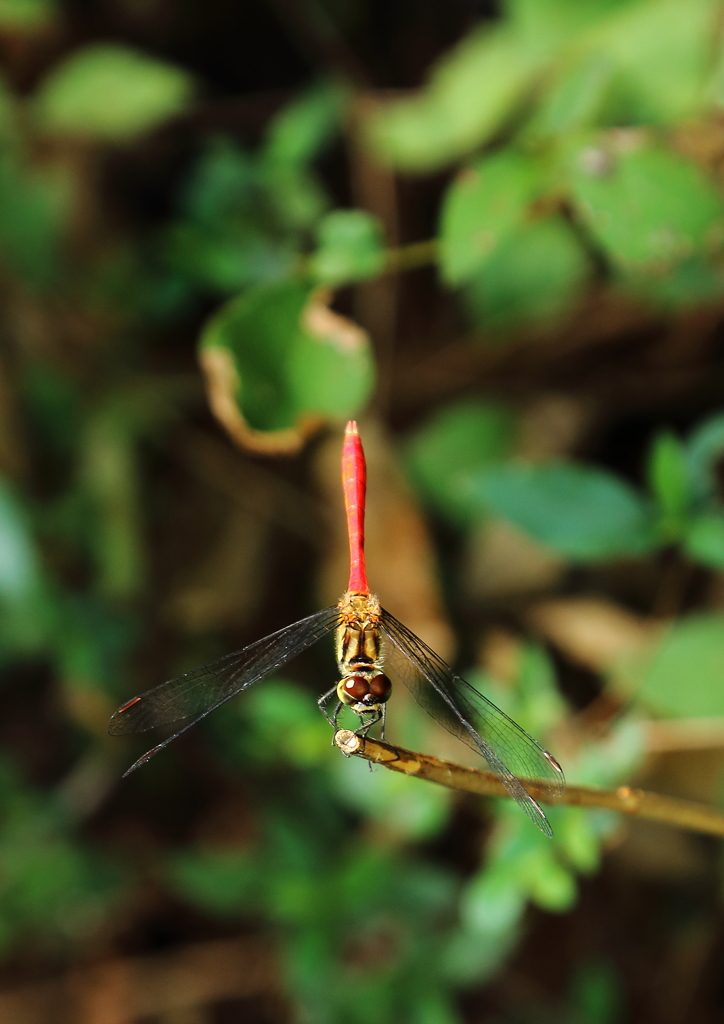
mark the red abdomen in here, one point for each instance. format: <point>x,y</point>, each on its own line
<point>354,482</point>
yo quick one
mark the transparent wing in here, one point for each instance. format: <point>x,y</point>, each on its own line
<point>509,751</point>
<point>195,694</point>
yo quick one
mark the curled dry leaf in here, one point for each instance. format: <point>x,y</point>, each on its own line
<point>224,386</point>
<point>222,389</point>
<point>324,323</point>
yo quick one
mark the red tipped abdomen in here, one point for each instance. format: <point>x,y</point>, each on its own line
<point>354,483</point>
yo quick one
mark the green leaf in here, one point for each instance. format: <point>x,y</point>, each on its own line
<point>574,100</point>
<point>458,440</point>
<point>19,567</point>
<point>685,674</point>
<point>483,205</point>
<point>553,887</point>
<point>27,15</point>
<point>34,206</point>
<point>392,800</point>
<point>704,540</point>
<point>351,248</point>
<point>646,206</point>
<point>110,478</point>
<point>668,475</point>
<point>276,356</point>
<point>704,449</point>
<point>663,51</point>
<point>576,839</point>
<point>536,274</point>
<point>295,137</point>
<point>493,901</point>
<point>580,511</point>
<point>111,92</point>
<point>597,995</point>
<point>548,23</point>
<point>229,236</point>
<point>305,126</point>
<point>694,281</point>
<point>472,91</point>
<point>223,882</point>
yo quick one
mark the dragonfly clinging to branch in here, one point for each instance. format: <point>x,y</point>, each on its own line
<point>371,645</point>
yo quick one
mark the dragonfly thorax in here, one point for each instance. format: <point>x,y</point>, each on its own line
<point>363,686</point>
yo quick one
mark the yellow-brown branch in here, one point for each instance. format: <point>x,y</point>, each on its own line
<point>624,799</point>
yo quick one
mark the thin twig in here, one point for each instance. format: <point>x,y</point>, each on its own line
<point>624,799</point>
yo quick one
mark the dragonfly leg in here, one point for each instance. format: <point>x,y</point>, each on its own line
<point>384,722</point>
<point>335,716</point>
<point>322,701</point>
<point>375,717</point>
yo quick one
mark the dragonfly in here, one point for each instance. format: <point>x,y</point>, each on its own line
<point>371,646</point>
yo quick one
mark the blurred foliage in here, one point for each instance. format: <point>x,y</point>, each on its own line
<point>577,140</point>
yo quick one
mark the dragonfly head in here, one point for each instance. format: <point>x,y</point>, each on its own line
<point>366,690</point>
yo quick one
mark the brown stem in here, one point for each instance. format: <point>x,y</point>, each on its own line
<point>634,802</point>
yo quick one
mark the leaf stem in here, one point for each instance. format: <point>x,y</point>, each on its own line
<point>408,257</point>
<point>624,799</point>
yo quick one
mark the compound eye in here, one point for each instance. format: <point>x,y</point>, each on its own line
<point>357,687</point>
<point>381,688</point>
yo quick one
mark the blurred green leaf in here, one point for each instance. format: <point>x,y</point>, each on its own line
<point>668,476</point>
<point>576,840</point>
<point>685,674</point>
<point>34,206</point>
<point>539,705</point>
<point>704,540</point>
<point>575,99</point>
<point>222,184</point>
<point>27,15</point>
<point>693,281</point>
<point>704,449</point>
<point>493,901</point>
<point>223,882</point>
<point>285,721</point>
<point>547,23</point>
<point>351,247</point>
<point>111,92</point>
<point>458,439</point>
<point>297,197</point>
<point>646,205</point>
<point>290,358</point>
<point>295,137</point>
<point>229,259</point>
<point>536,273</point>
<point>580,511</point>
<point>54,888</point>
<point>19,567</point>
<point>553,887</point>
<point>596,994</point>
<point>395,802</point>
<point>305,126</point>
<point>662,50</point>
<point>471,93</point>
<point>229,234</point>
<point>482,206</point>
<point>611,759</point>
<point>110,477</point>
